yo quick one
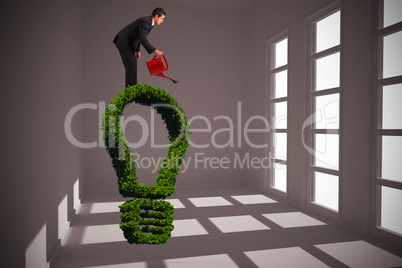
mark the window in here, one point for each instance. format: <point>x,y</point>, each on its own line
<point>277,76</point>
<point>388,131</point>
<point>324,101</point>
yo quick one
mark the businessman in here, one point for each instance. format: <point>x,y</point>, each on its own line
<point>129,39</point>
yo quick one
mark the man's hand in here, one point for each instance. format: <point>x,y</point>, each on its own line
<point>138,55</point>
<point>158,53</point>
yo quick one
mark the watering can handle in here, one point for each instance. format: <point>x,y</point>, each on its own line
<point>167,66</point>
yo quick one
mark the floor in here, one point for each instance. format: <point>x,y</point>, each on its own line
<point>218,227</point>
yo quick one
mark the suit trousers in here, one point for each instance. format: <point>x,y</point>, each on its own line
<point>127,53</point>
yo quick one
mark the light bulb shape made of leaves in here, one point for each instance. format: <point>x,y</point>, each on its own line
<point>146,219</point>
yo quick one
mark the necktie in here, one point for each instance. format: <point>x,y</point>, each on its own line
<point>150,29</point>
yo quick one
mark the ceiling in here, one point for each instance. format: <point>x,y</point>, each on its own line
<point>231,5</point>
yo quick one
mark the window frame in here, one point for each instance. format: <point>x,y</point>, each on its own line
<point>377,182</point>
<point>311,58</point>
<point>271,70</point>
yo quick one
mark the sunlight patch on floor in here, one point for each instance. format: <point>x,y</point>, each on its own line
<point>293,219</point>
<point>211,261</point>
<point>284,258</point>
<point>242,223</point>
<point>361,254</point>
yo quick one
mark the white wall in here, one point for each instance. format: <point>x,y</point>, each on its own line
<point>205,49</point>
<point>41,67</point>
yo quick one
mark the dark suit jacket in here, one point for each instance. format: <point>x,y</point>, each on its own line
<point>137,32</point>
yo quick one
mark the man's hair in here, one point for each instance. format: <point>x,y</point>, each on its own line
<point>158,11</point>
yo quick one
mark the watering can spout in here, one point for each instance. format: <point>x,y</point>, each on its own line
<point>163,75</point>
<point>156,67</point>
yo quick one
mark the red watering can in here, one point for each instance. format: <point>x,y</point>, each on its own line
<point>156,67</point>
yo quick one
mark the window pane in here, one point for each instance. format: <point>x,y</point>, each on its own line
<point>280,177</point>
<point>280,84</point>
<point>391,212</point>
<point>326,190</point>
<point>327,72</point>
<point>281,53</point>
<point>327,112</point>
<point>392,65</point>
<point>328,32</point>
<point>281,115</point>
<point>391,158</point>
<point>392,12</point>
<point>326,150</point>
<point>280,146</point>
<point>392,107</point>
